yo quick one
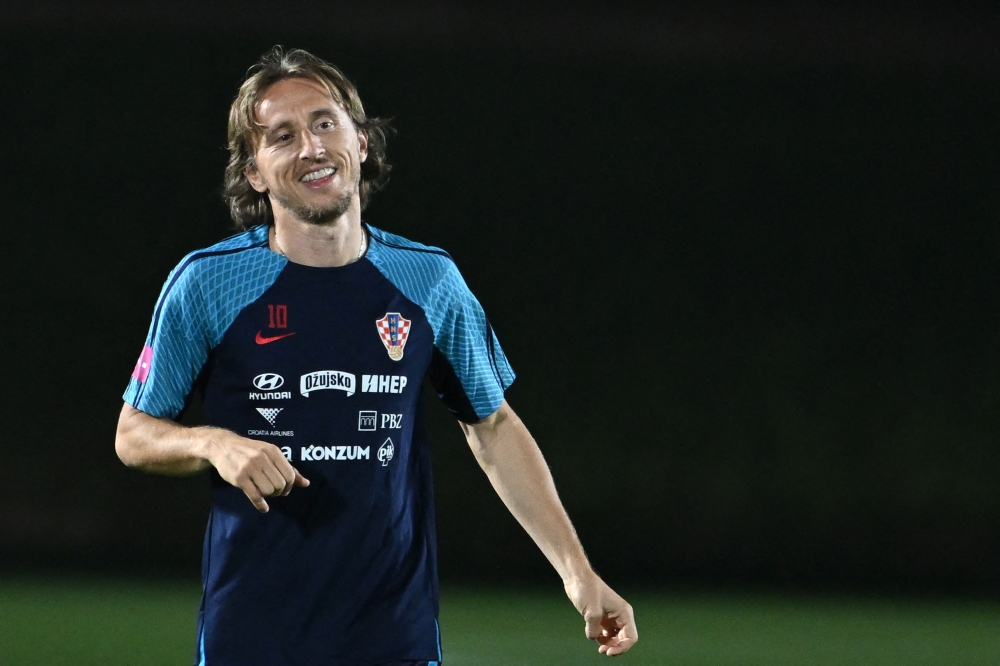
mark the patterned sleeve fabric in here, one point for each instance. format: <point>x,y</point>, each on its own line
<point>476,371</point>
<point>176,348</point>
<point>198,302</point>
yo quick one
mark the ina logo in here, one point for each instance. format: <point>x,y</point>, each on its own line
<point>269,413</point>
<point>386,451</point>
<point>393,330</point>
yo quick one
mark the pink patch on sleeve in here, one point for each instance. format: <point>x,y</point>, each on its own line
<point>143,364</point>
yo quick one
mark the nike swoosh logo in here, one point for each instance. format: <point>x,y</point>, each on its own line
<point>261,340</point>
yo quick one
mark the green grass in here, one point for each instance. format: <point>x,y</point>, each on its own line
<point>90,623</point>
<point>56,623</point>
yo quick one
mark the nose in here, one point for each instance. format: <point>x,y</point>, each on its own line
<point>312,146</point>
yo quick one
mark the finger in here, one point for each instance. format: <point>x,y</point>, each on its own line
<point>626,638</point>
<point>300,481</point>
<point>285,469</point>
<point>616,647</point>
<point>253,494</point>
<point>264,484</point>
<point>622,647</point>
<point>609,646</point>
<point>276,478</point>
<point>276,468</point>
<point>608,637</point>
<point>593,624</point>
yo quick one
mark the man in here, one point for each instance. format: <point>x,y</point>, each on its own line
<point>310,334</point>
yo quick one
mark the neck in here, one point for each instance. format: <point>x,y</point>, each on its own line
<point>335,243</point>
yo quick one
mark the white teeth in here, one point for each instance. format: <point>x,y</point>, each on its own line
<point>315,175</point>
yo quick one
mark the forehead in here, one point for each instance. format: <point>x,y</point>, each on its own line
<point>291,97</point>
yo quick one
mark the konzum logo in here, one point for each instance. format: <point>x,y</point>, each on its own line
<point>335,452</point>
<point>268,381</point>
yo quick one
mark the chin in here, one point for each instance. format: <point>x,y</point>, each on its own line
<point>325,214</point>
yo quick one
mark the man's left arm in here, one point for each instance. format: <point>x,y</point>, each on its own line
<point>508,454</point>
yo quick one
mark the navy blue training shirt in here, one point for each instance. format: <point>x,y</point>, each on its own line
<point>326,364</point>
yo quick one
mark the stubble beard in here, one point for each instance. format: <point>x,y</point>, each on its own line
<point>318,215</point>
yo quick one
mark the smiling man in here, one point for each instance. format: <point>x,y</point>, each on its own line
<point>309,335</point>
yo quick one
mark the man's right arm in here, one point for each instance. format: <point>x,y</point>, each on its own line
<point>162,446</point>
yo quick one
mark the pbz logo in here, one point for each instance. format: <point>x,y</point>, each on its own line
<point>386,452</point>
<point>368,421</point>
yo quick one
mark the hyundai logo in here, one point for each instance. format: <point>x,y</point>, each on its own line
<point>268,381</point>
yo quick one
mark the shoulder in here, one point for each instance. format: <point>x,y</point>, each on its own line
<point>402,258</point>
<point>399,248</point>
<point>210,286</point>
<point>223,261</point>
<point>230,250</point>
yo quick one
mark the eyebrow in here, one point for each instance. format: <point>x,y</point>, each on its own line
<point>285,124</point>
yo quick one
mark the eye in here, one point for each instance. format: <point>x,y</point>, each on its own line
<point>282,138</point>
<point>325,125</point>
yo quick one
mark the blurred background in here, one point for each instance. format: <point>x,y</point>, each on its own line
<point>744,260</point>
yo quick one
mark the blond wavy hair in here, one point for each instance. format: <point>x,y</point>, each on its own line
<point>249,207</point>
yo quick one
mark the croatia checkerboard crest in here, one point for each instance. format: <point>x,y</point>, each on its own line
<point>393,330</point>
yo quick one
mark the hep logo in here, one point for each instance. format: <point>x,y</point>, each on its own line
<point>386,451</point>
<point>268,381</point>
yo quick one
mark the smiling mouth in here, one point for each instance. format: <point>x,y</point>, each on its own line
<point>316,175</point>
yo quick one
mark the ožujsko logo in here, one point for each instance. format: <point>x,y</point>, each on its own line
<point>326,379</point>
<point>393,330</point>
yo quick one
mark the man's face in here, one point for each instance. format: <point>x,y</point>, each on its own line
<point>309,156</point>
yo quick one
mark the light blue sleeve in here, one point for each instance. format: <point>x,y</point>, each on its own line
<point>199,301</point>
<point>175,350</point>
<point>463,335</point>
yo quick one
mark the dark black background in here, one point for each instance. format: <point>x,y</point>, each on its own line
<point>744,261</point>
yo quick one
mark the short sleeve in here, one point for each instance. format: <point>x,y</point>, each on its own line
<point>469,370</point>
<point>175,351</point>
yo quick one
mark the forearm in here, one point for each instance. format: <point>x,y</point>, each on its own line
<point>515,466</point>
<point>160,445</point>
<point>511,459</point>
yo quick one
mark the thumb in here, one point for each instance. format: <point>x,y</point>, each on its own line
<point>300,481</point>
<point>593,620</point>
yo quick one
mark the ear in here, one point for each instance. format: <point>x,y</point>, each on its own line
<point>362,145</point>
<point>253,176</point>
